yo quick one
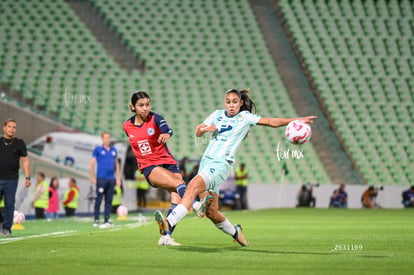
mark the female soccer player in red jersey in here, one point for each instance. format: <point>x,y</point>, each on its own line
<point>148,132</point>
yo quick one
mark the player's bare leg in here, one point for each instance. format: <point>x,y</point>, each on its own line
<point>165,179</point>
<point>194,188</point>
<point>222,223</point>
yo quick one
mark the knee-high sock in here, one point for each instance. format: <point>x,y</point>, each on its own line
<point>181,189</point>
<point>227,228</point>
<point>172,207</point>
<point>177,214</point>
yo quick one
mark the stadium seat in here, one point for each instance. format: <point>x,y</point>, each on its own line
<point>373,41</point>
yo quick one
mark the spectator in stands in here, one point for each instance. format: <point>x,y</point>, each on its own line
<point>52,210</point>
<point>369,198</point>
<point>408,197</point>
<point>339,198</point>
<point>12,151</point>
<point>305,197</point>
<point>71,198</point>
<point>41,199</point>
<point>107,175</point>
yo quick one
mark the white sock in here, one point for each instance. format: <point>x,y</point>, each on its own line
<point>195,205</point>
<point>226,227</point>
<point>177,214</point>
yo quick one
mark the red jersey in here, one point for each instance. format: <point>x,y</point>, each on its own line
<point>144,141</point>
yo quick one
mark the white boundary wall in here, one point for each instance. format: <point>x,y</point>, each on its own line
<point>260,196</point>
<point>284,195</point>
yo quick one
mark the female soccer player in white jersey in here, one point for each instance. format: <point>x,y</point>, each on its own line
<point>228,127</point>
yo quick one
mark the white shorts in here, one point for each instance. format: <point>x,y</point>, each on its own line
<point>214,172</point>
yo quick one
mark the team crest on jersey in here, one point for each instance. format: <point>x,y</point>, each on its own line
<point>151,131</point>
<point>144,147</point>
<point>240,118</point>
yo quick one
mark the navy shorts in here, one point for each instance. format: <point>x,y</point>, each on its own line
<point>170,167</point>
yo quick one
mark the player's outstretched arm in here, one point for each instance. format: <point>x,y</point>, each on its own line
<point>278,122</point>
<point>203,128</point>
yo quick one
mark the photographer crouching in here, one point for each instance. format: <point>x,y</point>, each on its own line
<point>369,197</point>
<point>305,197</point>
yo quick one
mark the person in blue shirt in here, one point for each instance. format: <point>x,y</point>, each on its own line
<point>408,197</point>
<point>229,127</point>
<point>339,198</point>
<point>105,176</point>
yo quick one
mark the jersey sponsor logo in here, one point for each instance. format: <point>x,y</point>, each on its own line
<point>151,131</point>
<point>225,128</point>
<point>144,147</point>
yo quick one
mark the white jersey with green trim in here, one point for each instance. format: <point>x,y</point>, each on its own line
<point>230,132</point>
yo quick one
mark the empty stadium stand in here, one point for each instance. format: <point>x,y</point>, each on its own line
<point>359,56</point>
<point>195,50</point>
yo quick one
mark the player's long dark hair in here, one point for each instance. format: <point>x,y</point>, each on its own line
<point>248,104</point>
<point>137,96</point>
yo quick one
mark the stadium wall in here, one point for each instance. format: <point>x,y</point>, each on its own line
<point>29,124</point>
<point>285,195</point>
<point>260,196</point>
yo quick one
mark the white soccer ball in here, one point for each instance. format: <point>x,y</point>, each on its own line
<point>18,217</point>
<point>122,210</point>
<point>298,132</point>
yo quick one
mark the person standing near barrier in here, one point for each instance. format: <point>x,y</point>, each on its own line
<point>12,151</point>
<point>241,184</point>
<point>142,189</point>
<point>117,198</point>
<point>41,199</point>
<point>71,198</point>
<point>107,175</point>
<point>52,210</point>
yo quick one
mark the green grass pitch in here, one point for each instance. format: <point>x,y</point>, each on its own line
<point>282,241</point>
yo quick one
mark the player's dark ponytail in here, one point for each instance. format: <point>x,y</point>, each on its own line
<point>248,104</point>
<point>137,96</point>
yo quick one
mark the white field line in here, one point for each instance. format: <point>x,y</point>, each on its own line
<point>9,240</point>
<point>68,232</point>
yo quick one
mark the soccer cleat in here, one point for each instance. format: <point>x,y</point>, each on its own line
<point>168,241</point>
<point>240,237</point>
<point>161,240</point>
<point>201,207</point>
<point>162,222</point>
<point>96,224</point>
<point>4,232</point>
<point>106,225</point>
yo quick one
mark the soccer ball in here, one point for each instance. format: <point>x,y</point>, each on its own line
<point>122,211</point>
<point>18,217</point>
<point>298,132</point>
